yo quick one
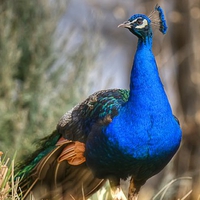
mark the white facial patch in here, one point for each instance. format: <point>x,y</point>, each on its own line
<point>141,26</point>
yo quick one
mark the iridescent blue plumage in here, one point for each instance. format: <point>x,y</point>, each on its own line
<point>144,136</point>
<point>163,25</point>
<point>112,135</point>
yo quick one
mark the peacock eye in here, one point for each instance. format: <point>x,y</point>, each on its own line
<point>139,21</point>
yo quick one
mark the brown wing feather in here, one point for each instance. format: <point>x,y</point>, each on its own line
<point>55,179</point>
<point>55,176</point>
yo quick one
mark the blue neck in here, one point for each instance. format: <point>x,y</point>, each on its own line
<point>145,86</point>
<point>145,122</point>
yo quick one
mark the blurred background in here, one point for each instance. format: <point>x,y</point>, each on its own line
<point>53,54</point>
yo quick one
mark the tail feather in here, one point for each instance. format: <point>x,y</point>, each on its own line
<point>52,179</point>
<point>78,183</point>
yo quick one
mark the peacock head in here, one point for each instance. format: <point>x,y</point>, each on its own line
<point>140,25</point>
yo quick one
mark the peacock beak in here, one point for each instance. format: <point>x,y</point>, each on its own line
<point>126,24</point>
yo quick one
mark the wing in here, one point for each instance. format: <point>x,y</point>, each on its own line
<point>76,124</point>
<point>57,169</point>
<point>46,175</point>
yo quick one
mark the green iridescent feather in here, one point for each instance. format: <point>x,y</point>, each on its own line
<point>74,125</point>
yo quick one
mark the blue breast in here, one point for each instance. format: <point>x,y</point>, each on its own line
<point>144,136</point>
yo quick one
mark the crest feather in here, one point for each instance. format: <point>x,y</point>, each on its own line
<point>157,18</point>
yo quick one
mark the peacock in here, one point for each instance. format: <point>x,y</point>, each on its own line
<point>114,134</point>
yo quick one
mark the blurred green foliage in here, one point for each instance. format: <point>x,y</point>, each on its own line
<point>32,97</point>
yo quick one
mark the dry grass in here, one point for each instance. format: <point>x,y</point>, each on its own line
<point>8,187</point>
<point>4,185</point>
<point>161,194</point>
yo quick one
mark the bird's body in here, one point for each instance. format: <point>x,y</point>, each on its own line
<point>141,144</point>
<point>112,135</point>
